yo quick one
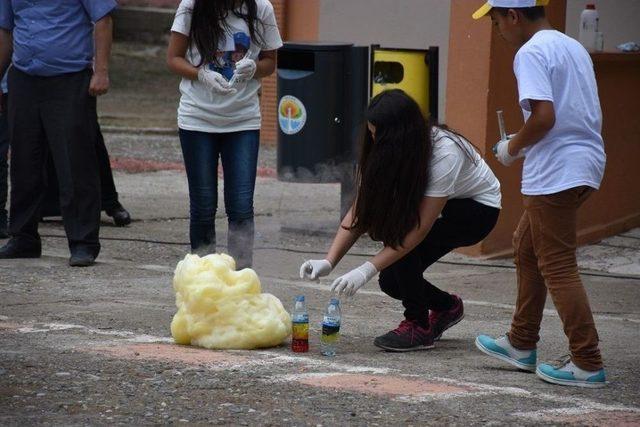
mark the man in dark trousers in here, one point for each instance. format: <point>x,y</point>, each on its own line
<point>110,202</point>
<point>52,105</point>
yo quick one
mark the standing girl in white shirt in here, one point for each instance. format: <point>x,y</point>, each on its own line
<point>423,191</point>
<point>210,42</point>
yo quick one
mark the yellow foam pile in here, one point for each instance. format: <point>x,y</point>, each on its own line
<point>220,308</point>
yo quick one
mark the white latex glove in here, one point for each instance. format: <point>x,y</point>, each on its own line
<point>501,150</point>
<point>245,69</point>
<point>315,268</point>
<point>215,82</point>
<point>349,283</point>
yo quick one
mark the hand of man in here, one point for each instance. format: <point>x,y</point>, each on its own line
<point>245,69</point>
<point>349,283</point>
<point>215,82</point>
<point>315,268</point>
<point>501,151</point>
<point>99,83</point>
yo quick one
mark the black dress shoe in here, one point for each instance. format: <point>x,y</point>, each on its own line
<point>120,216</point>
<point>81,258</point>
<point>17,249</point>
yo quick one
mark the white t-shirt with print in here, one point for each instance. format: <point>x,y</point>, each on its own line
<point>552,66</point>
<point>453,174</point>
<point>202,110</point>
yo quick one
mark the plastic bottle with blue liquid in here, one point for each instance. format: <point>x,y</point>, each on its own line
<point>331,328</point>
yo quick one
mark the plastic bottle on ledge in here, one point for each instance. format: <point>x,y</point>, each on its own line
<point>300,326</point>
<point>331,328</point>
<point>589,22</point>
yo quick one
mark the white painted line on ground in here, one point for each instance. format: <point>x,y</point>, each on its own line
<point>508,307</point>
<point>316,363</point>
<point>511,391</point>
<point>129,336</point>
<point>424,398</point>
<point>306,375</point>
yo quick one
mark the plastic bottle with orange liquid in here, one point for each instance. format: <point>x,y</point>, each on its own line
<point>300,326</point>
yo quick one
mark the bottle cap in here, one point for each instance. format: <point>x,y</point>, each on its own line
<point>591,6</point>
<point>334,301</point>
<point>300,298</point>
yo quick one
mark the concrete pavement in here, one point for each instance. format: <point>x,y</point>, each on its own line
<point>92,346</point>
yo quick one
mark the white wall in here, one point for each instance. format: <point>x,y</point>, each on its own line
<point>619,20</point>
<point>412,24</point>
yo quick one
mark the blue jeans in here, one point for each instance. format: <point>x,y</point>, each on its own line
<point>239,154</point>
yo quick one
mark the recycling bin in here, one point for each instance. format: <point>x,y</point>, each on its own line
<point>322,97</point>
<point>415,71</point>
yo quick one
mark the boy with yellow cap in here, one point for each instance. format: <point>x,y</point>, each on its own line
<point>564,163</point>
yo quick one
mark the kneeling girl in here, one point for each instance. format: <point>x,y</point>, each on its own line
<point>422,190</point>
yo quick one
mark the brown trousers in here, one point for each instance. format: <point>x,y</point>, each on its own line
<point>545,257</point>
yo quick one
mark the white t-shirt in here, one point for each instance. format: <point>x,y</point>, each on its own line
<point>552,66</point>
<point>204,111</point>
<point>454,175</point>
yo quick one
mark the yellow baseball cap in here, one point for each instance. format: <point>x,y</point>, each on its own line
<point>507,3</point>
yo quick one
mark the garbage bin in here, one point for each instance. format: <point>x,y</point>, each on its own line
<point>322,96</point>
<point>413,70</point>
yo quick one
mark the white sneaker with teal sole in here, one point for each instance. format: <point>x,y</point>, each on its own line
<point>569,374</point>
<point>502,349</point>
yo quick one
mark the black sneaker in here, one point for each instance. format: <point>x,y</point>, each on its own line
<point>440,321</point>
<point>408,336</point>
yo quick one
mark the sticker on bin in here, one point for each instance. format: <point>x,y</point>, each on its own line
<point>291,115</point>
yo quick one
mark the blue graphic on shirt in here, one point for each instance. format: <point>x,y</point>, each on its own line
<point>226,63</point>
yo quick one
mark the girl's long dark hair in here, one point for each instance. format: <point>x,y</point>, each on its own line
<point>208,24</point>
<point>393,171</point>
